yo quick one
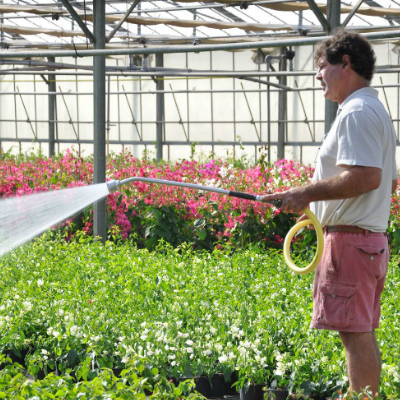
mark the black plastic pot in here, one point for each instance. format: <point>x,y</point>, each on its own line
<point>254,392</point>
<point>230,388</point>
<point>217,386</point>
<point>203,385</point>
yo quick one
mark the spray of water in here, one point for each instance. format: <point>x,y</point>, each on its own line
<point>22,218</point>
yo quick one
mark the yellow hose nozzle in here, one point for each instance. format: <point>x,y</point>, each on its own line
<point>320,243</point>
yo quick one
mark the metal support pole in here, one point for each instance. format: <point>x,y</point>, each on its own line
<point>52,108</point>
<point>333,15</point>
<point>267,63</point>
<point>160,110</point>
<point>282,104</point>
<point>99,96</point>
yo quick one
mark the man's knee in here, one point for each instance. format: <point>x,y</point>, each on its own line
<point>356,339</point>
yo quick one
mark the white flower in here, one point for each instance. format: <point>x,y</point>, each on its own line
<point>223,358</point>
<point>223,172</point>
<point>27,305</point>
<point>208,352</point>
<point>56,334</point>
<point>189,350</point>
<point>234,329</point>
<point>125,359</point>
<point>189,342</point>
<point>44,351</point>
<point>40,282</point>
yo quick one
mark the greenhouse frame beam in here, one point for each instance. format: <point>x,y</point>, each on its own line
<point>352,13</point>
<point>78,20</point>
<point>159,110</point>
<point>123,19</point>
<point>319,14</point>
<point>282,106</point>
<point>194,74</point>
<point>184,91</point>
<point>99,120</point>
<point>300,41</point>
<point>52,91</point>
<point>171,143</point>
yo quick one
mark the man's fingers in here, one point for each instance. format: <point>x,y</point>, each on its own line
<point>272,196</point>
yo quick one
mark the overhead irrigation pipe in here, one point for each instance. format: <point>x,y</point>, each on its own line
<point>188,49</point>
<point>114,185</point>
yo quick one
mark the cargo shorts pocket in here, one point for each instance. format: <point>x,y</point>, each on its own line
<point>337,303</point>
<point>375,259</point>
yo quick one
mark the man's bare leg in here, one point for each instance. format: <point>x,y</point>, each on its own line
<point>363,360</point>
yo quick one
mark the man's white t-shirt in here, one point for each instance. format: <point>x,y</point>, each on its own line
<point>363,135</point>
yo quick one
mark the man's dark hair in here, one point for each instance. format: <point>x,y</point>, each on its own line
<point>358,48</point>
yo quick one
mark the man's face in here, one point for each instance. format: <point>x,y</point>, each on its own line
<point>331,78</point>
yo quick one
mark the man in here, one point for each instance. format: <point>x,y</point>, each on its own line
<point>351,195</point>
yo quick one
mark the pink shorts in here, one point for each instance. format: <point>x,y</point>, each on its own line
<point>349,281</point>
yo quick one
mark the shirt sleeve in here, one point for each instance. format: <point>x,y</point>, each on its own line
<point>359,140</point>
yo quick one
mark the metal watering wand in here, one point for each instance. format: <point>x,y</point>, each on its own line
<point>114,185</point>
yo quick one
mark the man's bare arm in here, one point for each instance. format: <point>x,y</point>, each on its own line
<point>394,185</point>
<point>352,182</point>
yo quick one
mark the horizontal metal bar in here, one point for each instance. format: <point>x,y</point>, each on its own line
<point>187,74</point>
<point>193,91</point>
<point>146,92</point>
<point>152,73</point>
<point>163,122</point>
<point>299,41</point>
<point>166,143</point>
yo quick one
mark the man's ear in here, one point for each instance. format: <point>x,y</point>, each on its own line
<point>346,61</point>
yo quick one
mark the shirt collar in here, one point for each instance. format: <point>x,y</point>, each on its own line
<point>365,91</point>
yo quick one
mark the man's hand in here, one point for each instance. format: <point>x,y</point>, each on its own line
<point>293,200</point>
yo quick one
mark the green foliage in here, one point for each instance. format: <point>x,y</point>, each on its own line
<point>76,314</point>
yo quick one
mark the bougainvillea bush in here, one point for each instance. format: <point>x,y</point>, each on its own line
<point>145,213</point>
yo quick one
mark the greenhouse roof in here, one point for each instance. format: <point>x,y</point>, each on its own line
<point>31,24</point>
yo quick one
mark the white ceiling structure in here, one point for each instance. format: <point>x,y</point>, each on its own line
<point>32,24</point>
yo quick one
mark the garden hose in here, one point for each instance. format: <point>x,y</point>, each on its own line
<point>114,185</point>
<point>320,243</point>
